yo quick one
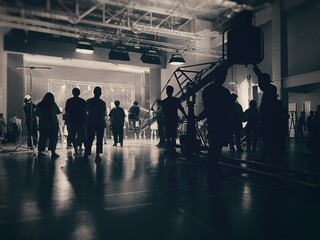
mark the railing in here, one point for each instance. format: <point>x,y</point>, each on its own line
<point>190,80</point>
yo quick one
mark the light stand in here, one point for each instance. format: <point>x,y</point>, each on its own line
<point>31,108</point>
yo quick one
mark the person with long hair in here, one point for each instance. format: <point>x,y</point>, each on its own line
<point>47,111</point>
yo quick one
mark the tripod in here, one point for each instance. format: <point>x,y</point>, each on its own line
<point>31,123</point>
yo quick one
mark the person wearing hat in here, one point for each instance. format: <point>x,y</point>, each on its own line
<point>269,118</point>
<point>31,121</point>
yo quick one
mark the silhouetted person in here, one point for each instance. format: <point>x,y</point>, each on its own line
<point>117,116</point>
<point>300,125</point>
<point>315,137</point>
<point>47,111</point>
<point>134,115</point>
<point>96,110</point>
<point>251,116</point>
<point>3,126</point>
<point>170,106</point>
<point>160,123</point>
<point>76,112</point>
<point>31,121</point>
<point>236,124</point>
<point>311,123</point>
<point>269,120</point>
<point>217,108</point>
<point>281,128</point>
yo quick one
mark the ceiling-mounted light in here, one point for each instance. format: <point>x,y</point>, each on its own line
<point>151,57</point>
<point>176,59</point>
<point>115,54</point>
<point>84,47</point>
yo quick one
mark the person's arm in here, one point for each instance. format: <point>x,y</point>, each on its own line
<point>181,108</point>
<point>257,71</point>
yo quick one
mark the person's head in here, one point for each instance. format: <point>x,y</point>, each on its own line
<point>1,115</point>
<point>303,113</point>
<point>48,98</point>
<point>76,92</point>
<point>253,104</point>
<point>117,103</point>
<point>135,103</point>
<point>169,90</point>
<point>311,113</point>
<point>220,74</point>
<point>265,80</point>
<point>97,91</point>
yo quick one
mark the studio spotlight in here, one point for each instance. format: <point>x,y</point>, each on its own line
<point>115,54</point>
<point>176,59</point>
<point>151,58</point>
<point>84,47</point>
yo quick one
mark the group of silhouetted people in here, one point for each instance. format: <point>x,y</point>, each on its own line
<point>223,113</point>
<point>86,121</point>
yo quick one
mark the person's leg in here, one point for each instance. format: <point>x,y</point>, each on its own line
<point>99,142</point>
<point>89,141</point>
<point>42,139</point>
<point>35,133</point>
<point>29,131</point>
<point>72,131</point>
<point>120,132</point>
<point>53,140</point>
<point>115,135</point>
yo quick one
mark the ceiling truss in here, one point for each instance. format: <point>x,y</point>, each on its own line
<point>112,21</point>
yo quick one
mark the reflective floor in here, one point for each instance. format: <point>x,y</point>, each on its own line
<point>138,193</point>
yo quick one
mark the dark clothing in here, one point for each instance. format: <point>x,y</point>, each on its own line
<point>300,126</point>
<point>76,110</point>
<point>48,126</point>
<point>170,107</point>
<point>96,109</point>
<point>31,123</point>
<point>160,123</point>
<point>236,126</point>
<point>269,119</point>
<point>134,112</point>
<point>117,116</point>
<point>134,116</point>
<point>218,109</point>
<point>251,116</point>
<point>67,125</point>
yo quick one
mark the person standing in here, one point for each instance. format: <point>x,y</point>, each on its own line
<point>31,121</point>
<point>76,110</point>
<point>47,111</point>
<point>96,111</point>
<point>310,123</point>
<point>269,119</point>
<point>251,117</point>
<point>117,116</point>
<point>160,122</point>
<point>3,126</point>
<point>236,124</point>
<point>301,124</point>
<point>217,109</point>
<point>134,115</point>
<point>170,106</point>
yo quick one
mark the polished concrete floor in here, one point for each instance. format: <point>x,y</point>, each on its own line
<point>139,193</point>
